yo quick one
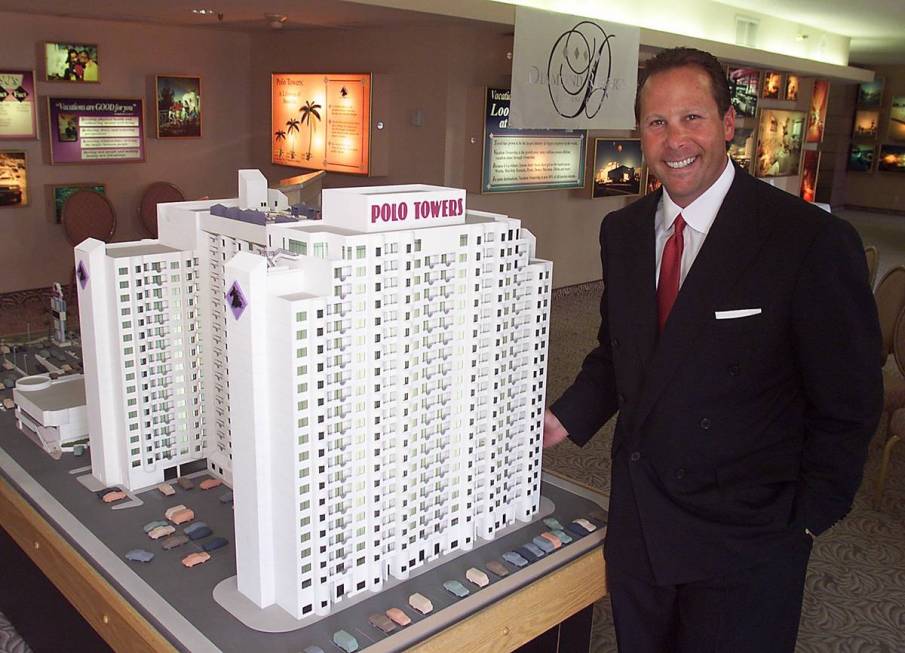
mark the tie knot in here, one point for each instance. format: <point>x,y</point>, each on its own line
<point>678,224</point>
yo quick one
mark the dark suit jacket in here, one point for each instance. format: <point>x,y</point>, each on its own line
<point>733,435</point>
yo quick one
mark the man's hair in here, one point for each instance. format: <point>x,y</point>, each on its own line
<point>680,58</point>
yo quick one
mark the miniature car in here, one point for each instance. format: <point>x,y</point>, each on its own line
<point>139,555</point>
<point>563,537</point>
<point>198,533</point>
<point>398,616</point>
<point>101,493</point>
<point>182,516</point>
<point>166,489</point>
<point>497,567</point>
<point>455,587</point>
<point>345,641</point>
<point>210,483</point>
<point>585,524</point>
<point>9,404</point>
<point>78,450</point>
<point>543,544</point>
<point>532,548</point>
<point>477,577</point>
<point>576,529</point>
<point>151,525</point>
<point>552,539</point>
<point>226,497</point>
<point>514,558</point>
<point>553,524</point>
<point>173,541</point>
<point>114,495</point>
<point>421,603</point>
<point>185,483</point>
<point>382,622</point>
<point>312,649</point>
<point>215,543</point>
<point>174,509</point>
<point>161,531</point>
<point>197,558</point>
<point>598,518</point>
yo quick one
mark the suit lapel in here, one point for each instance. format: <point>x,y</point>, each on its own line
<point>732,243</point>
<point>641,277</point>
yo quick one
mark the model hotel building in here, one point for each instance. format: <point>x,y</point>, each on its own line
<point>371,384</point>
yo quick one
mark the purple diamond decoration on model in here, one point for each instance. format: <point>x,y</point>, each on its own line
<point>236,301</point>
<point>81,272</point>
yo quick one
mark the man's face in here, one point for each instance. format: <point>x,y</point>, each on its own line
<point>683,134</point>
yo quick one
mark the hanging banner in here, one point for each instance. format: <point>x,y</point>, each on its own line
<point>572,72</point>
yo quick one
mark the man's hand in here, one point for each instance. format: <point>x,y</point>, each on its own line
<point>554,431</point>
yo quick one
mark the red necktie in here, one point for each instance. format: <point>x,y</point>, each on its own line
<point>670,271</point>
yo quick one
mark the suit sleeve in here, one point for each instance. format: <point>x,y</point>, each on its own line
<point>837,337</point>
<point>592,398</point>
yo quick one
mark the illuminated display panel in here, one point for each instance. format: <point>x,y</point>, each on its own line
<point>321,121</point>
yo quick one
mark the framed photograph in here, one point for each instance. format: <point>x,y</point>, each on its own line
<point>817,111</point>
<point>892,158</point>
<point>18,104</point>
<point>792,87</point>
<point>897,119</point>
<point>860,158</point>
<point>652,183</point>
<point>743,90</point>
<point>60,193</point>
<point>870,95</point>
<point>780,135</point>
<point>13,179</point>
<point>95,130</point>
<point>741,148</point>
<point>617,167</point>
<point>866,123</point>
<point>178,101</point>
<point>809,169</point>
<point>71,62</point>
<point>773,85</point>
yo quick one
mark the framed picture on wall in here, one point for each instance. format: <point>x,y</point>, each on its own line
<point>18,101</point>
<point>897,119</point>
<point>617,167</point>
<point>652,183</point>
<point>817,110</point>
<point>809,169</point>
<point>13,179</point>
<point>866,124</point>
<point>59,193</point>
<point>870,94</point>
<point>860,158</point>
<point>71,62</point>
<point>779,138</point>
<point>892,158</point>
<point>741,147</point>
<point>773,85</point>
<point>743,90</point>
<point>792,87</point>
<point>95,130</point>
<point>178,102</point>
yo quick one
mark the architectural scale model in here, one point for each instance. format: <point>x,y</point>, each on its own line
<point>371,384</point>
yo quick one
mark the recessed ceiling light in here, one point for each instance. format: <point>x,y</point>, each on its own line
<point>204,12</point>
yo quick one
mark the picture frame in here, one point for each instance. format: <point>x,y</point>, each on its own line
<point>773,85</point>
<point>652,183</point>
<point>817,111</point>
<point>870,94</point>
<point>810,168</point>
<point>14,191</point>
<point>780,135</point>
<point>95,130</point>
<point>891,159</point>
<point>71,62</point>
<point>59,193</point>
<point>860,157</point>
<point>793,85</point>
<point>866,124</point>
<point>896,129</point>
<point>18,105</point>
<point>178,106</point>
<point>744,85</point>
<point>741,147</point>
<point>618,168</point>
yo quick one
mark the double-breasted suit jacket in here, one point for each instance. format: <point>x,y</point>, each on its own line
<point>734,435</point>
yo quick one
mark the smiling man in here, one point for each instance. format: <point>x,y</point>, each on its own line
<point>739,344</point>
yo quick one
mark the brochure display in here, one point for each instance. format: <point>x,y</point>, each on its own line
<point>95,130</point>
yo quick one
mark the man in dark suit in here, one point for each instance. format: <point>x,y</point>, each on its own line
<point>738,341</point>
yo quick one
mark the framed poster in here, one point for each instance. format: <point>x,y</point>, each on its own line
<point>71,62</point>
<point>792,85</point>
<point>617,168</point>
<point>779,138</point>
<point>18,117</point>
<point>321,121</point>
<point>860,158</point>
<point>870,94</point>
<point>178,103</point>
<point>13,179</point>
<point>743,87</point>
<point>94,130</point>
<point>866,123</point>
<point>892,158</point>
<point>773,85</point>
<point>741,147</point>
<point>60,193</point>
<point>897,119</point>
<point>809,169</point>
<point>817,111</point>
<point>528,159</point>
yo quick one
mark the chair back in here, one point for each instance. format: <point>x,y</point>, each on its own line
<point>890,298</point>
<point>87,214</point>
<point>160,192</point>
<point>872,254</point>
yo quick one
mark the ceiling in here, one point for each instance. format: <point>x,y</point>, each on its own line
<point>875,26</point>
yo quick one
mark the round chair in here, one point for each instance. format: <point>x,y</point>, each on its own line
<point>86,214</point>
<point>159,192</point>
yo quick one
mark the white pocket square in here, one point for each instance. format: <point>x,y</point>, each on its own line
<point>734,315</point>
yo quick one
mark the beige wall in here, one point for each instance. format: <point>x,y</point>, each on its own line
<point>33,249</point>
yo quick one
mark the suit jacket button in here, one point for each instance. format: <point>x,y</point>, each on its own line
<point>734,369</point>
<point>635,457</point>
<point>706,424</point>
<point>615,343</point>
<point>680,473</point>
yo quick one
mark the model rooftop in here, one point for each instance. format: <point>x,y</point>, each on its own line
<point>140,248</point>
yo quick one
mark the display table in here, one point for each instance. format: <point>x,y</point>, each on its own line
<point>135,610</point>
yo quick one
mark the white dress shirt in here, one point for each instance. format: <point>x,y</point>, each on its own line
<point>698,216</point>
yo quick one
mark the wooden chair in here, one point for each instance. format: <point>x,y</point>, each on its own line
<point>86,214</point>
<point>896,428</point>
<point>159,192</point>
<point>890,298</point>
<point>872,254</point>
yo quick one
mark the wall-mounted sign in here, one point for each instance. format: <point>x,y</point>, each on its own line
<point>528,159</point>
<point>17,104</point>
<point>94,130</point>
<point>321,121</point>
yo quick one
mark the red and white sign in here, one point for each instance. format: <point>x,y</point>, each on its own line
<point>392,208</point>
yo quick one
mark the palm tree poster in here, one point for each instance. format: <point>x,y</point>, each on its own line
<point>321,121</point>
